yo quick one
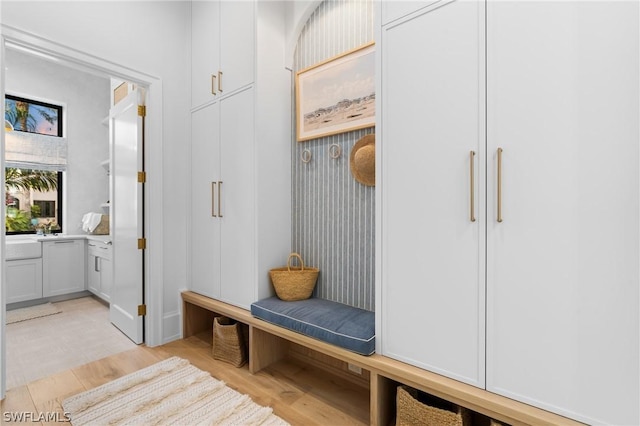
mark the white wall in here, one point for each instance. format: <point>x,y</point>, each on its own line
<point>150,37</point>
<point>86,102</point>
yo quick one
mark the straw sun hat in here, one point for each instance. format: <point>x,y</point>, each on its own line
<point>363,160</point>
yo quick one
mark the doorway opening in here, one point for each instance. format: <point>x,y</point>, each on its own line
<point>14,43</point>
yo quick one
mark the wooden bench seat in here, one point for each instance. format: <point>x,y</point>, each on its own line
<point>269,343</point>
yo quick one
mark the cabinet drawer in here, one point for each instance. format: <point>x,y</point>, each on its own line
<point>99,249</point>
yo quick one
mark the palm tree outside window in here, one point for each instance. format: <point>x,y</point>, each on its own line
<point>28,190</point>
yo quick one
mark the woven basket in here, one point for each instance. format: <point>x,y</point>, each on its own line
<point>294,283</point>
<point>228,342</point>
<point>412,412</point>
<point>103,226</point>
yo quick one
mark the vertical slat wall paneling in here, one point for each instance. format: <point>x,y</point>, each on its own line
<point>333,214</point>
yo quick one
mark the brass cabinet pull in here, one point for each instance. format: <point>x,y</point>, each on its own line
<point>213,204</point>
<point>219,81</point>
<point>499,184</point>
<point>213,84</point>
<point>219,195</point>
<point>472,209</point>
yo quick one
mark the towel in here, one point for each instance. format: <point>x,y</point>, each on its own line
<point>90,221</point>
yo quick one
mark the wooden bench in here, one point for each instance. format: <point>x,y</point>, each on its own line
<point>269,343</point>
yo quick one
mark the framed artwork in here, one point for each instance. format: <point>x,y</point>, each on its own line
<point>337,95</point>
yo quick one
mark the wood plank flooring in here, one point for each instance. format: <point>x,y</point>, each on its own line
<point>296,391</point>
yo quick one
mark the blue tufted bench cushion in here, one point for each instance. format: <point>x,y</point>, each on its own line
<point>342,325</point>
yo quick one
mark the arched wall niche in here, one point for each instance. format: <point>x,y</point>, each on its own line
<point>333,215</point>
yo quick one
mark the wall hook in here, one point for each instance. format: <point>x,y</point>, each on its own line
<point>335,151</point>
<point>305,156</point>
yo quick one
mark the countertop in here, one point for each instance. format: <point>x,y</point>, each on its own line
<point>13,239</point>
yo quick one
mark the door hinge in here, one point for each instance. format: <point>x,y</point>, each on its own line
<point>142,110</point>
<point>142,310</point>
<point>142,243</point>
<point>142,177</point>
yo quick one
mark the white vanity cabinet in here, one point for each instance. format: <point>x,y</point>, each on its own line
<point>63,266</point>
<point>24,279</point>
<point>99,268</point>
<point>510,175</point>
<point>223,48</point>
<point>240,209</point>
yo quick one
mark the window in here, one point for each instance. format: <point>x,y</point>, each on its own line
<point>33,186</point>
<point>45,208</point>
<point>32,116</point>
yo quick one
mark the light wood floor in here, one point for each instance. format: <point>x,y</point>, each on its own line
<point>298,393</point>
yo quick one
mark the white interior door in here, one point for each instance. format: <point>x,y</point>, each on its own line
<point>126,216</point>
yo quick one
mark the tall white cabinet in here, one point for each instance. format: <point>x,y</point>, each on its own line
<point>562,266</point>
<point>240,212</point>
<point>546,278</point>
<point>433,135</point>
<point>223,219</point>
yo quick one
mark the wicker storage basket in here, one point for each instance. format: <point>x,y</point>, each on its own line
<point>228,342</point>
<point>410,411</point>
<point>103,226</point>
<point>294,283</point>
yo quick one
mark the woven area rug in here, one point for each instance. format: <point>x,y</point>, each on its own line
<point>32,312</point>
<point>171,392</point>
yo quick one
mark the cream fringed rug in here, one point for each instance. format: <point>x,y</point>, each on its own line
<point>32,312</point>
<point>171,392</point>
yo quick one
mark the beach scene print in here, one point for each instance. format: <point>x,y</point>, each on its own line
<point>337,96</point>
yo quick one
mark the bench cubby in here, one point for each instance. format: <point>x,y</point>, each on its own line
<point>270,344</point>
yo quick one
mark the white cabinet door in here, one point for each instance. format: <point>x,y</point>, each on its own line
<point>222,48</point>
<point>562,271</point>
<point>93,272</point>
<point>205,44</point>
<point>99,269</point>
<point>24,280</point>
<point>432,238</point>
<point>237,48</point>
<point>238,282</point>
<point>205,207</point>
<point>63,267</point>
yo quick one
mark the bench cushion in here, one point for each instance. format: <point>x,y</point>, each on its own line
<point>342,325</point>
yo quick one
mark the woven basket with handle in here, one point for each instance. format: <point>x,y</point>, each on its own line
<point>228,341</point>
<point>410,411</point>
<point>292,282</point>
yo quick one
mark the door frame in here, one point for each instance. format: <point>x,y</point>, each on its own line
<point>153,198</point>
